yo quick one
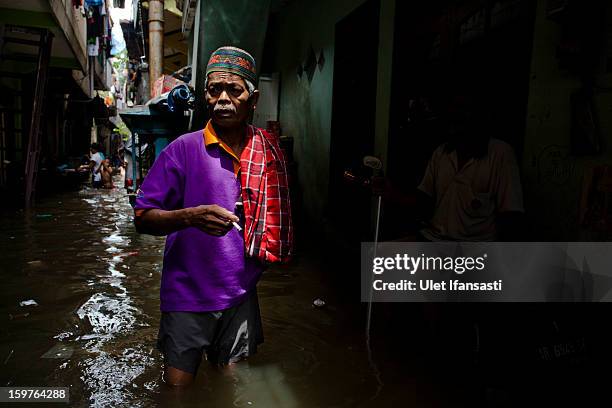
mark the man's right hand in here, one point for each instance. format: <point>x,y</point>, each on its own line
<point>212,219</point>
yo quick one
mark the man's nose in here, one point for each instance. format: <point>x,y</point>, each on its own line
<point>224,98</point>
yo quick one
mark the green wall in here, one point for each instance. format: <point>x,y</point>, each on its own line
<point>552,177</point>
<point>238,23</point>
<point>306,107</point>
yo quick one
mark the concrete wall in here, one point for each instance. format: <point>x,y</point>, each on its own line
<point>552,177</point>
<point>74,27</point>
<point>239,23</point>
<point>306,107</point>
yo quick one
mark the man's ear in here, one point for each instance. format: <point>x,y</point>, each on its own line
<point>254,98</point>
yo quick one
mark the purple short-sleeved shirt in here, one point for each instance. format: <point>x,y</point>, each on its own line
<point>201,272</point>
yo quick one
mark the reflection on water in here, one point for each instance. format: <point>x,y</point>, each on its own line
<point>96,282</point>
<point>109,376</point>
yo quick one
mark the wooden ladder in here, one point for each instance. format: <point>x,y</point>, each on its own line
<point>34,143</point>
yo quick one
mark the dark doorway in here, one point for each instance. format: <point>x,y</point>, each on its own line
<point>447,48</point>
<point>353,118</point>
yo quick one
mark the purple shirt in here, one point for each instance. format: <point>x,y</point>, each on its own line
<point>201,272</point>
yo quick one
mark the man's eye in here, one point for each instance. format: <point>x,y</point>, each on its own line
<point>236,91</point>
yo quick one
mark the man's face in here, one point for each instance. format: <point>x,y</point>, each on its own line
<point>228,99</point>
<point>460,118</point>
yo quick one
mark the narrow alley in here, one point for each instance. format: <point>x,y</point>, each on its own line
<point>305,204</point>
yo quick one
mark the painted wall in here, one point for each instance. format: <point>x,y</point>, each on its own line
<point>238,23</point>
<point>552,177</point>
<point>306,107</point>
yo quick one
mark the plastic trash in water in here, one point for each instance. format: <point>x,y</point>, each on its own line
<point>44,215</point>
<point>29,302</point>
<point>318,302</point>
<point>61,351</point>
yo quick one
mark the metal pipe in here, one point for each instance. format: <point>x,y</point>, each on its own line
<point>134,161</point>
<point>139,162</point>
<point>156,41</point>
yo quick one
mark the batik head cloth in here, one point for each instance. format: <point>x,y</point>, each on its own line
<point>233,60</point>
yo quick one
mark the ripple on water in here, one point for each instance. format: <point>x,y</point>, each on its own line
<point>109,378</point>
<point>108,314</point>
<point>116,239</point>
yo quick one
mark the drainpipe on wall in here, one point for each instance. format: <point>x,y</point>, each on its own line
<point>156,41</point>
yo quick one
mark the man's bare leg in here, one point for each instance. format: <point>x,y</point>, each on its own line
<point>177,378</point>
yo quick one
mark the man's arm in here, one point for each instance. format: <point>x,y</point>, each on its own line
<point>158,207</point>
<point>510,220</point>
<point>87,167</point>
<point>425,207</point>
<point>212,219</point>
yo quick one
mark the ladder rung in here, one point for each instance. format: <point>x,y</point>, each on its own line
<point>21,58</point>
<point>22,41</point>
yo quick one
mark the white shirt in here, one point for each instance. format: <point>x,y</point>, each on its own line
<point>468,200</point>
<point>97,158</point>
<point>129,170</point>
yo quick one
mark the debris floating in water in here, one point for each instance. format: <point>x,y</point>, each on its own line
<point>61,351</point>
<point>63,336</point>
<point>8,357</point>
<point>29,302</point>
<point>318,302</point>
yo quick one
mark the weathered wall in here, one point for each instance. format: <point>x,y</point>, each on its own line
<point>552,176</point>
<point>306,107</point>
<point>239,23</point>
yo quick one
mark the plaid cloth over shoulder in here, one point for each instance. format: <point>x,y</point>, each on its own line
<point>268,232</point>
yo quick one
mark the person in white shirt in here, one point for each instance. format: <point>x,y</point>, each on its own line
<point>94,165</point>
<point>472,183</point>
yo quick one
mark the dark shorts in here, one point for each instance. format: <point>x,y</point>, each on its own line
<point>225,336</point>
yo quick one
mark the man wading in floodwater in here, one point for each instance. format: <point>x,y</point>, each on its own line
<point>222,198</point>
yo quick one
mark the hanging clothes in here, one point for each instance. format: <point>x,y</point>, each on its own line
<point>95,27</point>
<point>93,47</point>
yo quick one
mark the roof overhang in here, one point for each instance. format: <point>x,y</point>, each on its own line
<point>68,44</point>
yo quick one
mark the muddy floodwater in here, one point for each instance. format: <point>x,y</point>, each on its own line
<point>80,308</point>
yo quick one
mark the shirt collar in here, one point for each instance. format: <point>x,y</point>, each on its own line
<point>211,138</point>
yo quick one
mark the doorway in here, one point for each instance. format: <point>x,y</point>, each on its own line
<point>353,119</point>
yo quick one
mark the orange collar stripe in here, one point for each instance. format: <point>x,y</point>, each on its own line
<point>210,137</point>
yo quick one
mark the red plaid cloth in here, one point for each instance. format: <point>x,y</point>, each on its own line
<point>268,233</point>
